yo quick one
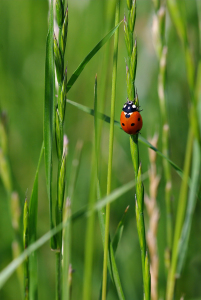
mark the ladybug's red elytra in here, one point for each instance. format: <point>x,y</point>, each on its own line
<point>131,119</point>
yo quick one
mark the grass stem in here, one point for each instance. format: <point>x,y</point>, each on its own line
<point>109,176</point>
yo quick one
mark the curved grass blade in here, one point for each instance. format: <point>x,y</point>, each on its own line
<point>91,54</point>
<point>9,270</point>
<point>141,139</point>
<point>48,111</point>
<point>112,250</point>
<point>119,231</point>
<point>33,207</point>
<point>183,244</point>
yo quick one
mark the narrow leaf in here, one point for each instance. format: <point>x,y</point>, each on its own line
<point>91,54</point>
<point>33,207</point>
<point>48,110</point>
<point>184,240</point>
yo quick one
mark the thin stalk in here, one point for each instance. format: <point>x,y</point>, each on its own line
<point>26,244</point>
<point>109,176</point>
<point>89,244</point>
<point>66,252</point>
<point>61,139</point>
<point>48,113</point>
<point>193,133</point>
<point>161,50</point>
<point>58,275</point>
<point>180,217</point>
<point>132,96</point>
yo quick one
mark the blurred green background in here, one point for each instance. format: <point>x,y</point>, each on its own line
<point>23,30</point>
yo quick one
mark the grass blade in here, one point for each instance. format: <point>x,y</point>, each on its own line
<point>179,218</point>
<point>48,111</point>
<point>119,231</point>
<point>91,54</point>
<point>26,244</point>
<point>66,249</point>
<point>183,244</point>
<point>33,207</point>
<point>111,264</point>
<point>110,154</point>
<point>89,245</point>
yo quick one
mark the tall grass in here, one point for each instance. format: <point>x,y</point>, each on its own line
<point>88,166</point>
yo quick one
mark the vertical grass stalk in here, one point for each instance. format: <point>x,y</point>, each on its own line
<point>26,244</point>
<point>109,175</point>
<point>161,51</point>
<point>91,220</point>
<point>49,113</point>
<point>153,212</point>
<point>193,133</point>
<point>131,46</point>
<point>61,139</point>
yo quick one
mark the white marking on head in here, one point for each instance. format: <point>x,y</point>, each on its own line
<point>133,106</point>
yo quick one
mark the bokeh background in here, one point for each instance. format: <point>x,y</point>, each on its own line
<point>23,30</point>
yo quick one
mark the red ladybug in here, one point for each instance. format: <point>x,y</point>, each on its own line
<point>131,119</point>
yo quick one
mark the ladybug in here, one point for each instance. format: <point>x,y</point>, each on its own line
<point>131,119</point>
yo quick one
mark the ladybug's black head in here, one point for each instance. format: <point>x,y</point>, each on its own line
<point>129,107</point>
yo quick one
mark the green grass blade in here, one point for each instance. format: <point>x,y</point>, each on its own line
<point>183,244</point>
<point>48,111</point>
<point>66,249</point>
<point>8,271</point>
<point>33,207</point>
<point>112,267</point>
<point>26,244</point>
<point>119,231</point>
<point>91,54</point>
<point>110,153</point>
<point>140,138</point>
<point>181,208</point>
<point>89,239</point>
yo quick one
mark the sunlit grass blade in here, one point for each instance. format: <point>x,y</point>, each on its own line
<point>140,138</point>
<point>8,271</point>
<point>33,207</point>
<point>184,240</point>
<point>91,54</point>
<point>48,112</point>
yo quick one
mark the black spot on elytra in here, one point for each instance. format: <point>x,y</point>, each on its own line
<point>138,119</point>
<point>133,124</point>
<point>122,124</point>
